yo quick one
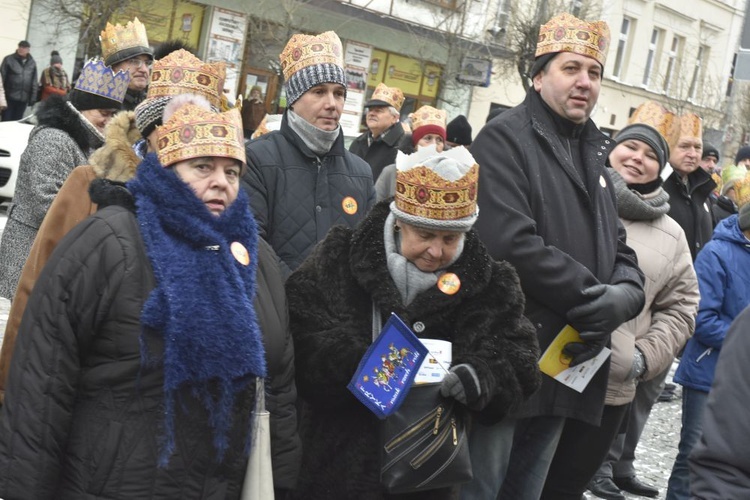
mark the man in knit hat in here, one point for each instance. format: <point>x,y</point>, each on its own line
<point>385,135</point>
<point>301,179</point>
<point>710,158</point>
<point>548,208</point>
<point>126,48</point>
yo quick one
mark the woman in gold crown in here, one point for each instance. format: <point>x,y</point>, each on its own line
<point>133,374</point>
<point>431,269</point>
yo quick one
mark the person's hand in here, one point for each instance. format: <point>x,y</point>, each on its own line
<point>461,384</point>
<point>609,307</point>
<point>638,366</point>
<point>584,351</point>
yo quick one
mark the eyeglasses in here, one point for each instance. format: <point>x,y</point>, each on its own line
<point>137,63</point>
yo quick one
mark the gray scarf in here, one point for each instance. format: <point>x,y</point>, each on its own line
<point>632,205</point>
<point>409,280</point>
<point>318,140</point>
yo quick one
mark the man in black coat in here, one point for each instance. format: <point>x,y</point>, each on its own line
<point>385,135</point>
<point>18,71</point>
<point>548,207</point>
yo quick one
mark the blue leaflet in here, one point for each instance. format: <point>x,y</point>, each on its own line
<point>387,370</point>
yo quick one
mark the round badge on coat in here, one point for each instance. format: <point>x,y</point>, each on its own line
<point>449,283</point>
<point>705,207</point>
<point>349,205</point>
<point>240,253</point>
<point>602,181</point>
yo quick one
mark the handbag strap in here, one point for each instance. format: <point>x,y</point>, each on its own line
<point>260,395</point>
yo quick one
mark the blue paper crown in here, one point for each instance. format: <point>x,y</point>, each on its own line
<point>98,79</point>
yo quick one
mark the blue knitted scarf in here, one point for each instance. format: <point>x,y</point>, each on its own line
<point>202,305</point>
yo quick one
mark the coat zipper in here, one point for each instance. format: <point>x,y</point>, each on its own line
<point>705,353</point>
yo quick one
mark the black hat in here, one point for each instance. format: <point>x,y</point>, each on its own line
<point>709,150</point>
<point>24,44</point>
<point>649,135</point>
<point>458,131</point>
<point>742,154</point>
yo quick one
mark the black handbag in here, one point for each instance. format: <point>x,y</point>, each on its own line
<point>425,444</point>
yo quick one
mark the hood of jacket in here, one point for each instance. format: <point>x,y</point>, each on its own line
<point>57,112</point>
<point>729,230</point>
<point>116,160</point>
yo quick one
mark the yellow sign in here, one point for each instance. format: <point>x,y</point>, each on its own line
<point>377,68</point>
<point>431,80</point>
<point>168,20</point>
<point>403,73</point>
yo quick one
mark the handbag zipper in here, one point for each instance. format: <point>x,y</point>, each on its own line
<point>428,452</point>
<point>420,425</point>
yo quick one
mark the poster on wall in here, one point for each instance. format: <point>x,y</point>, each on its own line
<point>226,42</point>
<point>357,63</point>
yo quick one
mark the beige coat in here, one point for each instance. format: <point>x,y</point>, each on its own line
<point>668,317</point>
<point>116,161</point>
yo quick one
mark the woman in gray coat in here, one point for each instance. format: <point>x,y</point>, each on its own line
<point>68,130</point>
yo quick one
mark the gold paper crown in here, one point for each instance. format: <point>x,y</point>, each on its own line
<point>423,193</point>
<point>181,72</point>
<point>691,126</point>
<point>742,189</point>
<point>567,33</point>
<point>307,50</point>
<point>427,115</point>
<point>118,38</point>
<point>98,79</point>
<point>393,96</point>
<point>664,121</point>
<point>195,132</point>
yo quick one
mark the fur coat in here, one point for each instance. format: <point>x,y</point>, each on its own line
<point>62,140</point>
<point>331,300</point>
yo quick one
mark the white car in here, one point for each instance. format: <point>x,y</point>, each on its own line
<point>13,139</point>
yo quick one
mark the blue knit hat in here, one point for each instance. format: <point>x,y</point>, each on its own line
<point>309,60</point>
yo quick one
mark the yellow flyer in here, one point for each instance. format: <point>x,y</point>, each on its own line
<point>556,364</point>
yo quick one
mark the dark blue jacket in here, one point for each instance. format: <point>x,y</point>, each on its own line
<point>723,269</point>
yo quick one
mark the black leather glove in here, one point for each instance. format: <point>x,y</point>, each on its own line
<point>584,351</point>
<point>609,307</point>
<point>461,384</point>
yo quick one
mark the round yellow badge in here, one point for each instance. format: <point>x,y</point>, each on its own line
<point>240,253</point>
<point>449,283</point>
<point>349,205</point>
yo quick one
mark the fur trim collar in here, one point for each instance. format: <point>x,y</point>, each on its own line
<point>370,269</point>
<point>117,160</point>
<point>57,112</point>
<point>202,307</point>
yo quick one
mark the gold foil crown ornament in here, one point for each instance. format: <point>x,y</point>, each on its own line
<point>180,72</point>
<point>195,132</point>
<point>387,96</point>
<point>307,50</point>
<point>124,42</point>
<point>691,125</point>
<point>437,190</point>
<point>664,121</point>
<point>427,115</point>
<point>567,33</point>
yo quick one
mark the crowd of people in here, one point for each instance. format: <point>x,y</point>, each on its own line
<point>159,262</point>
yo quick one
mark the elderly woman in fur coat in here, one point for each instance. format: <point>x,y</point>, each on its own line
<point>392,263</point>
<point>133,375</point>
<point>68,130</point>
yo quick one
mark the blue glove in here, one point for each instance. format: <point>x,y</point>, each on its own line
<point>461,384</point>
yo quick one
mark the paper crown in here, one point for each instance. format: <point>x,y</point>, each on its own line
<point>664,121</point>
<point>123,42</point>
<point>426,196</point>
<point>195,132</point>
<point>742,190</point>
<point>307,50</point>
<point>691,125</point>
<point>567,33</point>
<point>181,72</point>
<point>98,79</point>
<point>427,115</point>
<point>387,96</point>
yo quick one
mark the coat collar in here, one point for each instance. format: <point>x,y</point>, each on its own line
<point>57,112</point>
<point>336,150</point>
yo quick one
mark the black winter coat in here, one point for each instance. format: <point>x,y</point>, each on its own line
<point>331,302</point>
<point>79,341</point>
<point>561,232</point>
<point>691,207</point>
<point>20,78</point>
<point>297,197</point>
<point>382,152</point>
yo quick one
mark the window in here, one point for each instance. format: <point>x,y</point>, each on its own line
<point>671,75</point>
<point>502,18</point>
<point>652,47</point>
<point>697,79</point>
<point>621,47</point>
